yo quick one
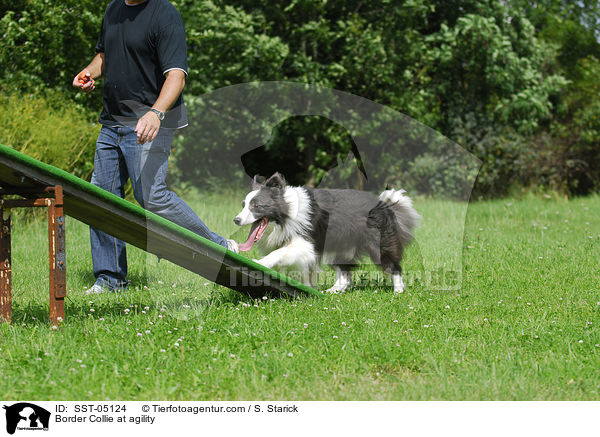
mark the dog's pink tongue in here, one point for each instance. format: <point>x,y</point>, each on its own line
<point>244,247</point>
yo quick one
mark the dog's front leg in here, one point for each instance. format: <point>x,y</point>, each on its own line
<point>273,259</point>
<point>343,280</point>
<point>297,252</point>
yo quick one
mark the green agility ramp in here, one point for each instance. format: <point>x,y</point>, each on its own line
<point>141,228</point>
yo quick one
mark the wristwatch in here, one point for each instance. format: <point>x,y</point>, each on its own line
<point>160,114</point>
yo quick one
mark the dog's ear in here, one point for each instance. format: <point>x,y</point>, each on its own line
<point>258,182</point>
<point>276,181</point>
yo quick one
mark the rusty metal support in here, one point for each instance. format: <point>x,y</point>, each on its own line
<point>56,248</point>
<point>58,265</point>
<point>26,203</point>
<point>5,266</point>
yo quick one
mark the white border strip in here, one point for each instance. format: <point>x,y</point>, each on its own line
<point>250,418</point>
<point>175,68</point>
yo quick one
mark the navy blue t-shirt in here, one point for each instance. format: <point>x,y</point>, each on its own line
<point>141,43</point>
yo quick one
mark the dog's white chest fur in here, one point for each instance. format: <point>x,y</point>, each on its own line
<point>298,223</point>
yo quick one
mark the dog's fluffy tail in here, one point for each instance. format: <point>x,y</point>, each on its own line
<point>406,216</point>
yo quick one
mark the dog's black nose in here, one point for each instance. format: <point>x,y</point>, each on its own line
<point>237,221</point>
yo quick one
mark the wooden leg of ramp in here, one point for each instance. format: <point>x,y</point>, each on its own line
<point>5,266</point>
<point>57,257</point>
<point>53,200</point>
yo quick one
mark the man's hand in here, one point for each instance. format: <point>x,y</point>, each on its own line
<point>147,127</point>
<point>84,81</point>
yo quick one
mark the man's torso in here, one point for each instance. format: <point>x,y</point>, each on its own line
<point>135,58</point>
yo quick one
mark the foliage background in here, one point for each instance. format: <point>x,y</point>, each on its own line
<point>514,82</point>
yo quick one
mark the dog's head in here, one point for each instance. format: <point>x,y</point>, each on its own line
<point>263,204</point>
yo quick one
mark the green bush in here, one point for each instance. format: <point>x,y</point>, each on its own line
<point>44,44</point>
<point>514,82</point>
<point>50,129</point>
<point>501,151</point>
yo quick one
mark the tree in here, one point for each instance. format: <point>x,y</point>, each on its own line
<point>45,43</point>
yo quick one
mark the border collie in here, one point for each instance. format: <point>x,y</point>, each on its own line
<point>323,226</point>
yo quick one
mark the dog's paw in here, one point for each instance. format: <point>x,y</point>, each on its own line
<point>336,289</point>
<point>263,263</point>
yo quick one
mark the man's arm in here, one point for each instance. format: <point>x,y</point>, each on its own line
<point>147,126</point>
<point>85,79</point>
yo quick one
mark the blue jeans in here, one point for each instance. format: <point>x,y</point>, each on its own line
<point>118,158</point>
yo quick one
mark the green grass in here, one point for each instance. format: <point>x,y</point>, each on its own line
<point>523,325</point>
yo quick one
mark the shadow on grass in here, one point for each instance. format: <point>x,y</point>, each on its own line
<point>154,301</point>
<point>86,276</point>
<point>34,314</point>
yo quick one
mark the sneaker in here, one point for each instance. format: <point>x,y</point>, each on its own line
<point>97,289</point>
<point>233,246</point>
<point>103,287</point>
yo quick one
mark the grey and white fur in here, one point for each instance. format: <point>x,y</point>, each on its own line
<point>329,226</point>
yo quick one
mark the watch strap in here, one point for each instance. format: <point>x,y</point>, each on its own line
<point>160,114</point>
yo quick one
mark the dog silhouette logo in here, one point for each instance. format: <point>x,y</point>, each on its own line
<point>25,416</point>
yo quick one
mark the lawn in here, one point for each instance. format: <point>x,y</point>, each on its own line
<point>521,325</point>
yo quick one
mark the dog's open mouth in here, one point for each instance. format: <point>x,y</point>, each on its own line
<point>256,232</point>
